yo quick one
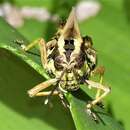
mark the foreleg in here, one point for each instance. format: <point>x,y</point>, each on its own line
<point>34,91</point>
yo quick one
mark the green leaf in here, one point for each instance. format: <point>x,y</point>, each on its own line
<point>84,121</point>
<point>18,111</point>
<point>20,77</point>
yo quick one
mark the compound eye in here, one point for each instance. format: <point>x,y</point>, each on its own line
<point>88,41</point>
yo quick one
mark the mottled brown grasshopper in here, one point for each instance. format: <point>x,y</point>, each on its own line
<point>70,60</point>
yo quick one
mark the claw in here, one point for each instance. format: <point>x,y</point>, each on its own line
<point>92,114</point>
<point>47,102</point>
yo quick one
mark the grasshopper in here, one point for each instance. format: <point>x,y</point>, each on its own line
<point>70,60</point>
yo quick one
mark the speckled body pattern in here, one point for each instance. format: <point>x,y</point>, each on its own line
<point>78,57</point>
<point>70,57</point>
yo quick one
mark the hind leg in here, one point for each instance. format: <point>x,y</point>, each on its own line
<point>100,71</point>
<point>96,85</point>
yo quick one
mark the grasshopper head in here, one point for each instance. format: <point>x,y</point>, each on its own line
<point>70,39</point>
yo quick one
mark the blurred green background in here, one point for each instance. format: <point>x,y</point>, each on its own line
<point>110,31</point>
